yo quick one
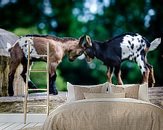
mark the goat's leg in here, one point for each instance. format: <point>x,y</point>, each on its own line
<point>143,68</point>
<point>31,85</point>
<point>146,76</point>
<point>52,79</point>
<point>109,74</point>
<point>52,85</point>
<point>117,72</point>
<point>13,67</point>
<point>151,79</point>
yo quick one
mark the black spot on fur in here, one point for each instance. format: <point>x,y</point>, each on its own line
<point>141,41</point>
<point>140,67</point>
<point>129,42</point>
<point>25,41</point>
<point>138,40</point>
<point>132,46</point>
<point>140,47</point>
<point>25,45</point>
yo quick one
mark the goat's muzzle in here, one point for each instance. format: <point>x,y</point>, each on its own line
<point>88,59</point>
<point>72,59</point>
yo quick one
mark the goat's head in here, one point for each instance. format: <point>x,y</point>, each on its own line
<point>77,48</point>
<point>88,50</point>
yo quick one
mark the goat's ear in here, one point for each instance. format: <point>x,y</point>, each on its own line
<point>81,40</point>
<point>88,39</point>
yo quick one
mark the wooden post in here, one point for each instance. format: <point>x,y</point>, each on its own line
<point>4,70</point>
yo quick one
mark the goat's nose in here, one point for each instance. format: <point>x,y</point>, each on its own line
<point>71,59</point>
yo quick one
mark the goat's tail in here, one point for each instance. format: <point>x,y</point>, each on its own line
<point>154,44</point>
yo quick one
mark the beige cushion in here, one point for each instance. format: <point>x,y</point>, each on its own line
<point>76,92</point>
<point>143,92</point>
<point>130,91</point>
<point>137,91</point>
<point>104,95</point>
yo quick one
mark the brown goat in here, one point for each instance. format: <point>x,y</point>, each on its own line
<point>58,48</point>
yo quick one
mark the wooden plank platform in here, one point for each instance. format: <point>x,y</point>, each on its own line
<point>14,121</point>
<point>156,95</point>
<point>19,117</point>
<point>18,126</point>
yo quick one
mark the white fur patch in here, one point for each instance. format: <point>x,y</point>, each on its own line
<point>130,46</point>
<point>24,42</point>
<point>131,49</point>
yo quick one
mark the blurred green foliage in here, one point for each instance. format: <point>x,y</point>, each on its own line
<point>40,78</point>
<point>101,19</point>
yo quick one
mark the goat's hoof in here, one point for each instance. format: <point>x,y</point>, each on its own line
<point>55,92</point>
<point>11,94</point>
<point>151,84</point>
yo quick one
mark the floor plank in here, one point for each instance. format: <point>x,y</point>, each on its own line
<point>6,125</point>
<point>12,127</point>
<point>39,124</point>
<point>20,126</point>
<point>19,117</point>
<point>156,95</point>
<point>30,125</point>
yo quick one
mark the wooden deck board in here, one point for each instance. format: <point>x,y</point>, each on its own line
<point>30,125</point>
<point>12,127</point>
<point>15,117</point>
<point>18,126</point>
<point>39,124</point>
<point>13,121</point>
<point>6,125</point>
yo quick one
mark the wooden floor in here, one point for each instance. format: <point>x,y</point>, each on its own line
<point>156,95</point>
<point>18,126</point>
<point>15,121</point>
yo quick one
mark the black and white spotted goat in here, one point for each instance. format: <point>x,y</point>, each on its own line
<point>128,46</point>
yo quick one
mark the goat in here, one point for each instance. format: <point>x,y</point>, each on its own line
<point>58,47</point>
<point>128,46</point>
